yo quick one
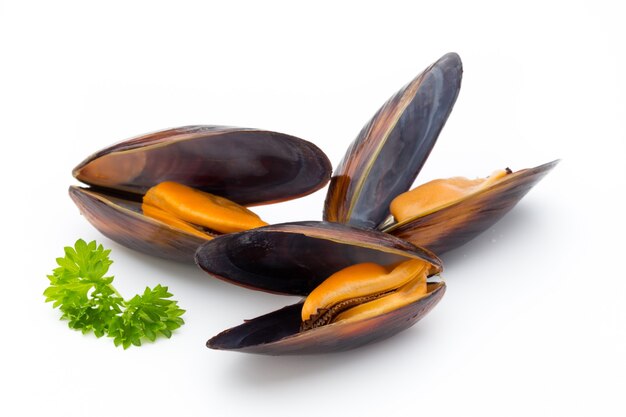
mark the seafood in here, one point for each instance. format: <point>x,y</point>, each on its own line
<point>171,199</point>
<point>436,194</point>
<point>389,152</point>
<point>366,272</point>
<point>296,258</point>
<point>361,275</point>
<point>244,166</point>
<point>364,290</point>
<point>456,223</point>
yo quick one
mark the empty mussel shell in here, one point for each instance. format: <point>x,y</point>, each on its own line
<point>247,166</point>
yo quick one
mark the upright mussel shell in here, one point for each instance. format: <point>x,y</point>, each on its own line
<point>294,258</point>
<point>247,166</point>
<point>389,152</point>
<point>392,147</point>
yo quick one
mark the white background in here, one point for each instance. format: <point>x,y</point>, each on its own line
<point>534,320</point>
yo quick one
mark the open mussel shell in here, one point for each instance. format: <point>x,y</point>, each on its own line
<point>122,221</point>
<point>389,152</point>
<point>294,258</point>
<point>247,166</point>
<point>278,333</point>
<point>454,225</point>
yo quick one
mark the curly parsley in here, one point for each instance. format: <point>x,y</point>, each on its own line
<point>88,300</point>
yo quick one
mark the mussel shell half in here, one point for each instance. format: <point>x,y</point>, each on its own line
<point>391,149</point>
<point>455,225</point>
<point>122,221</point>
<point>247,166</point>
<point>278,333</point>
<point>294,258</point>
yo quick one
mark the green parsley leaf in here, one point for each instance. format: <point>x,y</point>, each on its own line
<point>89,302</point>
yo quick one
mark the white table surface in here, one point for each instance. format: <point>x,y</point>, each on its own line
<point>534,319</point>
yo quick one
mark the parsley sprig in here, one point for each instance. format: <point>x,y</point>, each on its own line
<point>88,300</point>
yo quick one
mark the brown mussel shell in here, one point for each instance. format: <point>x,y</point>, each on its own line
<point>122,221</point>
<point>389,152</point>
<point>247,166</point>
<point>294,258</point>
<point>385,158</point>
<point>277,333</point>
<point>454,225</point>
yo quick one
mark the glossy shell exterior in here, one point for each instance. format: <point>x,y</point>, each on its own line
<point>454,225</point>
<point>245,165</point>
<point>391,149</point>
<point>389,152</point>
<point>294,258</point>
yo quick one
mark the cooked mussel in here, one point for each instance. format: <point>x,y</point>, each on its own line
<point>182,206</point>
<point>453,222</point>
<point>389,152</point>
<point>365,290</point>
<point>361,285</point>
<point>160,192</point>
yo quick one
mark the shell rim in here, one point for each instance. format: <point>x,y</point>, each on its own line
<point>275,228</point>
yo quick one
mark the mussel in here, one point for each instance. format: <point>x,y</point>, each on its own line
<point>359,242</point>
<point>243,166</point>
<point>454,222</point>
<point>366,271</point>
<point>388,154</point>
<point>296,258</point>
